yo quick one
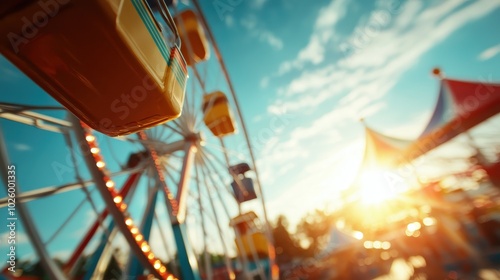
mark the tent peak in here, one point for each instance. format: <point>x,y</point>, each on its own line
<point>438,73</point>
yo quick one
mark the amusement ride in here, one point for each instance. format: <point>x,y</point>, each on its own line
<point>153,135</point>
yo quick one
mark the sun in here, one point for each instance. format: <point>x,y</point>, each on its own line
<point>377,186</point>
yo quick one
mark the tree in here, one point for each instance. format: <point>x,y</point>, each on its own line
<point>286,246</point>
<point>314,229</point>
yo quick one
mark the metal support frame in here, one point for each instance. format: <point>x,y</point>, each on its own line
<point>51,268</point>
<point>245,131</point>
<point>115,212</point>
<point>47,191</point>
<point>183,186</point>
<point>135,268</point>
<point>166,148</point>
<point>187,259</point>
<point>127,192</point>
<point>93,271</point>
<point>37,120</point>
<point>176,206</point>
<point>129,185</point>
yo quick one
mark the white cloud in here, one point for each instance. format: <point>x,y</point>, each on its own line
<point>257,118</point>
<point>311,80</point>
<point>229,20</point>
<point>271,39</point>
<point>314,51</point>
<point>373,69</point>
<point>22,147</point>
<point>249,22</point>
<point>255,30</point>
<point>489,53</point>
<point>264,82</point>
<point>257,4</point>
<point>21,238</point>
<point>361,81</point>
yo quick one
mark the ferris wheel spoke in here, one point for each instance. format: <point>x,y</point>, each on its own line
<point>17,107</point>
<point>145,226</point>
<point>189,48</point>
<point>164,135</point>
<point>37,120</point>
<point>115,203</point>
<point>127,191</point>
<point>175,126</point>
<point>238,181</point>
<point>210,169</point>
<point>47,262</point>
<point>171,168</point>
<point>66,221</point>
<point>166,141</point>
<point>243,255</point>
<point>239,240</point>
<point>208,267</point>
<point>225,150</point>
<point>222,65</point>
<point>169,252</point>
<point>210,159</point>
<point>194,109</point>
<point>101,257</point>
<point>215,222</point>
<point>198,117</point>
<point>214,212</point>
<point>182,123</point>
<point>187,112</point>
<point>52,190</point>
<point>213,158</point>
<point>84,188</point>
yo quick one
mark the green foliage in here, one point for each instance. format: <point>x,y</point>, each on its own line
<point>287,247</point>
<point>313,230</point>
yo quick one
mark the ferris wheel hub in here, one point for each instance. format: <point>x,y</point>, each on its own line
<point>196,137</point>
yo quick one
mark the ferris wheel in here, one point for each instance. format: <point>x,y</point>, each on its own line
<point>173,194</point>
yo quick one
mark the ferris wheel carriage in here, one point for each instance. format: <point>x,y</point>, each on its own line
<point>217,114</point>
<point>195,49</point>
<point>240,168</point>
<point>242,186</point>
<point>112,63</point>
<point>253,240</point>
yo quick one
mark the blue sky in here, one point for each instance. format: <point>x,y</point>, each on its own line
<point>305,72</point>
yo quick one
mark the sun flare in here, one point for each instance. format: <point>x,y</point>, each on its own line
<point>377,186</point>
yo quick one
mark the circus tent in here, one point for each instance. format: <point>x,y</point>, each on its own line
<point>382,150</point>
<point>460,106</point>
